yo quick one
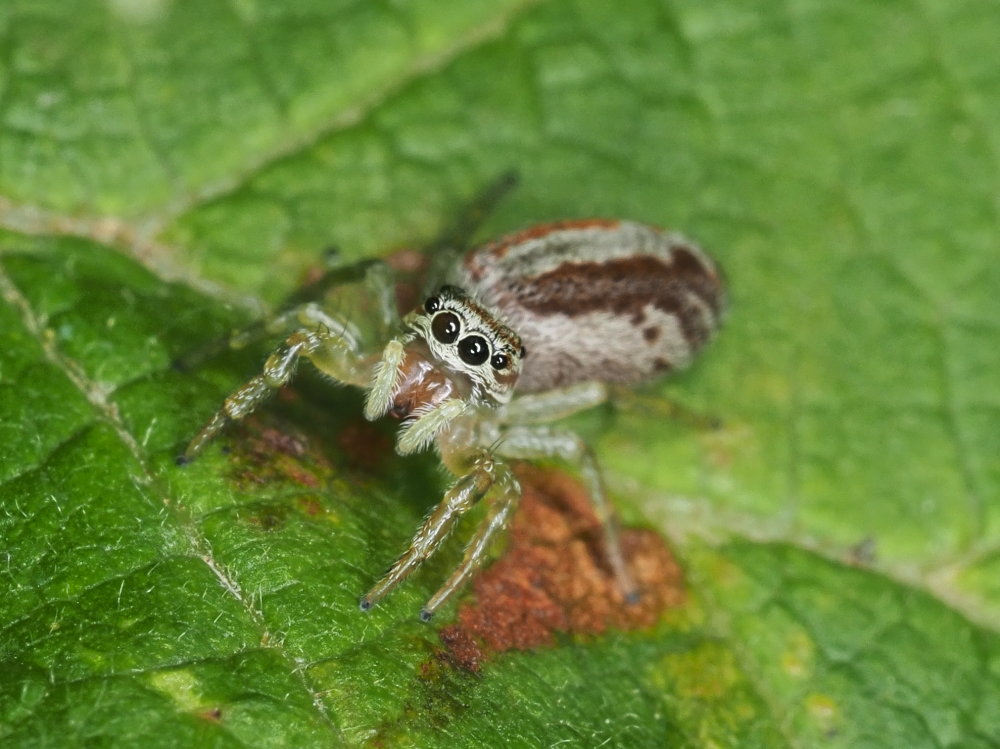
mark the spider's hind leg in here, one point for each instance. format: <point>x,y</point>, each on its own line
<point>539,441</point>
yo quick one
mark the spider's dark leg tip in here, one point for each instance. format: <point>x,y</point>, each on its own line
<point>425,615</point>
<point>631,599</point>
<point>365,605</point>
<point>182,460</point>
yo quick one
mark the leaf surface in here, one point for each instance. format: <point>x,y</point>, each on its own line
<point>827,475</point>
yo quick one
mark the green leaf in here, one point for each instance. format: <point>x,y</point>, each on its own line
<point>827,475</point>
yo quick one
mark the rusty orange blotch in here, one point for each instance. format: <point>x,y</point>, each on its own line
<point>553,577</point>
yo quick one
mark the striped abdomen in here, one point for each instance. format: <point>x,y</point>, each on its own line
<point>615,301</point>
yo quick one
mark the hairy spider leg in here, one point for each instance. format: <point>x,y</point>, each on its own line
<point>485,472</point>
<point>525,439</point>
<point>507,494</point>
<point>304,308</point>
<point>555,404</point>
<point>533,442</point>
<point>331,343</point>
<point>457,239</point>
<point>330,352</point>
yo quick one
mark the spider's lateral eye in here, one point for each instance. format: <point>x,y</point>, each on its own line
<point>446,327</point>
<point>433,304</point>
<point>499,361</point>
<point>473,350</point>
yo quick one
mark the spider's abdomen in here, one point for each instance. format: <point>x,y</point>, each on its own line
<point>615,301</point>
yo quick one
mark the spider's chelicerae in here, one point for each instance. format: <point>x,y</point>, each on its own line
<point>526,330</point>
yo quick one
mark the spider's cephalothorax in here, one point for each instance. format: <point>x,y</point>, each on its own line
<point>543,322</point>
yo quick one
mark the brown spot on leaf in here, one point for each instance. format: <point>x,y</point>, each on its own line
<point>463,649</point>
<point>276,441</point>
<point>554,577</point>
<point>267,454</point>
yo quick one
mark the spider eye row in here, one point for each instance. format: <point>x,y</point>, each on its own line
<point>472,349</point>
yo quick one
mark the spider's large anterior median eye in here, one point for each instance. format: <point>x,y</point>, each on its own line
<point>474,350</point>
<point>500,361</point>
<point>446,327</point>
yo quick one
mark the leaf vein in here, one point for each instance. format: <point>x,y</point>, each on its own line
<point>97,396</point>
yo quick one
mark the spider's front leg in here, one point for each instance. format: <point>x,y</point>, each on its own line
<point>486,476</point>
<point>331,342</point>
<point>332,353</point>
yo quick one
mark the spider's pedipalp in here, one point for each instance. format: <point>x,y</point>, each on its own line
<point>427,424</point>
<point>385,377</point>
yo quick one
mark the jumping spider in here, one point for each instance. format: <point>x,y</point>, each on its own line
<point>555,314</point>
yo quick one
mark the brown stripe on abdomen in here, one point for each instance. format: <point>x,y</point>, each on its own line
<point>682,286</point>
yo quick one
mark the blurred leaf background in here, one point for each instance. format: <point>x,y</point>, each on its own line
<point>169,169</point>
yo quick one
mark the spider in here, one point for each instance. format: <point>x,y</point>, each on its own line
<point>524,331</point>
